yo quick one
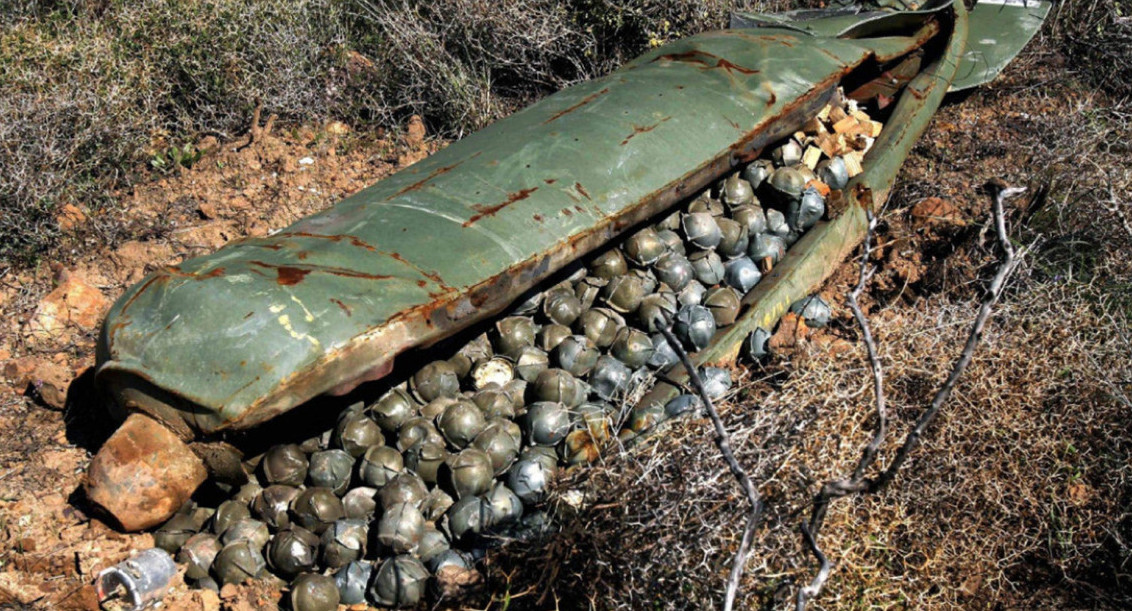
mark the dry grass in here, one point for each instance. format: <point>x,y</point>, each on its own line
<point>1098,33</point>
<point>95,93</point>
<point>1019,496</point>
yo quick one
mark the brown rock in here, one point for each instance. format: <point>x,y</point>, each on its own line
<point>133,257</point>
<point>935,212</point>
<point>970,586</point>
<point>405,159</point>
<point>73,305</point>
<point>207,210</point>
<point>415,133</point>
<point>209,236</point>
<point>831,344</point>
<point>18,371</point>
<point>208,144</point>
<point>453,580</point>
<point>229,591</point>
<point>337,128</point>
<point>414,142</point>
<point>50,381</point>
<point>70,218</point>
<point>239,203</point>
<point>791,333</point>
<point>143,474</point>
<point>82,599</point>
<point>359,65</point>
<point>207,600</point>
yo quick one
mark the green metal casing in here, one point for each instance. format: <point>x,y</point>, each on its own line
<point>232,339</point>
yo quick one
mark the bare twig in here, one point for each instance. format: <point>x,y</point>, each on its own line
<point>857,483</point>
<point>722,441</point>
<point>1007,266</point>
<point>842,487</point>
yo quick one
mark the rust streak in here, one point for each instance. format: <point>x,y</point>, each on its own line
<point>586,100</point>
<point>174,270</point>
<point>578,186</point>
<point>152,279</point>
<point>482,211</point>
<point>118,326</point>
<point>690,57</point>
<point>733,68</point>
<point>771,96</point>
<point>290,276</point>
<point>435,277</point>
<point>431,175</point>
<point>354,240</point>
<point>837,60</point>
<point>738,148</point>
<point>704,59</point>
<point>287,275</point>
<point>642,129</point>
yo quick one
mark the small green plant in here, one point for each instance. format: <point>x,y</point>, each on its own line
<point>176,157</point>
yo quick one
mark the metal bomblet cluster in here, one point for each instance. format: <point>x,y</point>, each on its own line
<point>427,473</point>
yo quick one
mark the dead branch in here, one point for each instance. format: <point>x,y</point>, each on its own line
<point>857,483</point>
<point>724,445</point>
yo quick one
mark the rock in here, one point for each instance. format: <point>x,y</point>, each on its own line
<point>239,203</point>
<point>132,258</point>
<point>50,382</point>
<point>143,474</point>
<point>358,65</point>
<point>229,591</point>
<point>791,333</point>
<point>831,344</point>
<point>414,142</point>
<point>73,305</point>
<point>18,371</point>
<point>208,145</point>
<point>207,210</point>
<point>452,580</point>
<point>70,218</point>
<point>936,213</point>
<point>415,133</point>
<point>337,128</point>
<point>209,236</point>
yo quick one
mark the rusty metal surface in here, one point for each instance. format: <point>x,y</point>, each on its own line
<point>143,474</point>
<point>232,339</point>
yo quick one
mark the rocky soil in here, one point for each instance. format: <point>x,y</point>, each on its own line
<point>48,408</point>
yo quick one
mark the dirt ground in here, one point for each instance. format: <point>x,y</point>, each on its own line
<point>249,187</point>
<point>932,254</point>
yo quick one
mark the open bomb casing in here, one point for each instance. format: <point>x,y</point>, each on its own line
<point>233,339</point>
